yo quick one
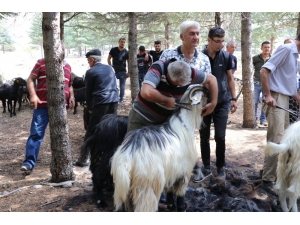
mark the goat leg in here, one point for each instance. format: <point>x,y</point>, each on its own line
<point>181,205</point>
<point>170,202</point>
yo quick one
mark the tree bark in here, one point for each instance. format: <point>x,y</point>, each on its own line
<point>61,163</point>
<point>132,48</point>
<point>298,25</point>
<point>167,28</point>
<point>247,71</point>
<point>218,19</point>
<point>62,27</point>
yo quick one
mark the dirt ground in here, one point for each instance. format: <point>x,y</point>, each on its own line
<point>20,193</point>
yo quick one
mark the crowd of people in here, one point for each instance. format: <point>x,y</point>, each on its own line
<point>274,79</point>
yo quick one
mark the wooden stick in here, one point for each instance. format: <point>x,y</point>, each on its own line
<point>50,202</point>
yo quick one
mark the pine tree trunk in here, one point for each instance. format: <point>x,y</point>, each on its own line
<point>61,163</point>
<point>218,19</point>
<point>298,25</point>
<point>247,71</point>
<point>132,48</point>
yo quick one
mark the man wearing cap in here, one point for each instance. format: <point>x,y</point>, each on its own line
<point>101,94</point>
<point>119,55</point>
<point>143,64</point>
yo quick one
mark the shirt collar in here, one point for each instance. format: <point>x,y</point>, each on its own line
<point>180,52</point>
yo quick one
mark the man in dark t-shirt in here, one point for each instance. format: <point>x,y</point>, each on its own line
<point>119,55</point>
<point>143,65</point>
<point>155,53</point>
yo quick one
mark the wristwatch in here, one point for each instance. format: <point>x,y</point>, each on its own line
<point>233,99</point>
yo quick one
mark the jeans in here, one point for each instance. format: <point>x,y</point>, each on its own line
<point>122,80</point>
<point>257,90</point>
<point>40,120</point>
<point>219,116</point>
<point>141,79</point>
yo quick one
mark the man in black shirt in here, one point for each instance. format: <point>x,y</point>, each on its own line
<point>119,55</point>
<point>221,65</point>
<point>155,53</point>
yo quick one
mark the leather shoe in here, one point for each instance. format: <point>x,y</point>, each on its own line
<point>221,172</point>
<point>201,173</point>
<point>81,163</point>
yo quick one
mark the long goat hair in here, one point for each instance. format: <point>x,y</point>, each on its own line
<point>157,158</point>
<point>108,135</point>
<point>288,167</point>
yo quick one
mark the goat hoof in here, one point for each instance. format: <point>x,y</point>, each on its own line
<point>182,208</point>
<point>171,208</point>
<point>101,204</point>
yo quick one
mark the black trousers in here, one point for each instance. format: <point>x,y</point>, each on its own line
<point>95,117</point>
<point>219,117</point>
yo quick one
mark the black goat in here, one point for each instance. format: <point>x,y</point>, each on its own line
<point>14,94</point>
<point>79,94</point>
<point>78,82</point>
<point>23,96</point>
<point>102,145</point>
<point>4,95</point>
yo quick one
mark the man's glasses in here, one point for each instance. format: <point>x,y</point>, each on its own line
<point>218,41</point>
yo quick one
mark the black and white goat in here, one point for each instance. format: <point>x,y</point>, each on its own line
<point>157,158</point>
<point>288,167</point>
<point>108,135</point>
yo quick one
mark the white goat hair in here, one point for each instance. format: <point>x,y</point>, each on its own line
<point>288,167</point>
<point>157,157</point>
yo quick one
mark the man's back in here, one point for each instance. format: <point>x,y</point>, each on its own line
<point>101,86</point>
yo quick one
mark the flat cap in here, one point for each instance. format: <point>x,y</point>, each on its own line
<point>93,52</point>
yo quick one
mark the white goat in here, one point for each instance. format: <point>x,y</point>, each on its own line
<point>288,167</point>
<point>156,157</point>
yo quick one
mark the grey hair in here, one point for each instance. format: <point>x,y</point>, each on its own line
<point>230,43</point>
<point>186,24</point>
<point>180,71</point>
<point>96,57</point>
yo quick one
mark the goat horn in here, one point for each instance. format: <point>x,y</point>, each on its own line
<point>196,87</point>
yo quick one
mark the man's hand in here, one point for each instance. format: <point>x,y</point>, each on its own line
<point>208,109</point>
<point>34,101</point>
<point>127,75</point>
<point>270,101</point>
<point>233,107</point>
<point>72,103</point>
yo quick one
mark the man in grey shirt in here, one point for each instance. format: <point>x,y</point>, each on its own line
<point>278,76</point>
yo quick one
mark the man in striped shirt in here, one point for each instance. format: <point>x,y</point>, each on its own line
<point>38,101</point>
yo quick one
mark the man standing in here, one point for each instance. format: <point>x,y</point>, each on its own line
<point>101,94</point>
<point>143,64</point>
<point>157,51</point>
<point>278,77</point>
<point>120,56</point>
<point>230,47</point>
<point>221,64</point>
<point>258,61</point>
<point>38,101</point>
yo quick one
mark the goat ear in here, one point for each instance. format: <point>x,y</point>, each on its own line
<point>196,97</point>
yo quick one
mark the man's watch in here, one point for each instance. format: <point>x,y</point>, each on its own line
<point>233,99</point>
